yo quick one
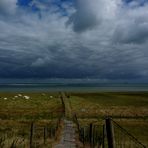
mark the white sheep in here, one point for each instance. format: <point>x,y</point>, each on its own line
<point>26,97</point>
<point>20,95</point>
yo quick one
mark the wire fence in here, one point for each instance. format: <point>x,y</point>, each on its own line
<point>108,135</point>
<point>34,136</point>
<point>91,135</point>
<point>123,139</point>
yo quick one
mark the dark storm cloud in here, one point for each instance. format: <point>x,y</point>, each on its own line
<point>135,33</point>
<point>103,39</point>
<point>85,16</point>
<point>133,26</point>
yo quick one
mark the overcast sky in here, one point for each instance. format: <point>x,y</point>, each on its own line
<point>105,39</point>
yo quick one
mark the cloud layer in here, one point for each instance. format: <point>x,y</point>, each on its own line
<point>8,6</point>
<point>105,39</point>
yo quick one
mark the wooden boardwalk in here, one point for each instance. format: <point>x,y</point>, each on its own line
<point>68,139</point>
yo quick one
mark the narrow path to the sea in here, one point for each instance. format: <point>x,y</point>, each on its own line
<point>68,110</point>
<point>68,135</point>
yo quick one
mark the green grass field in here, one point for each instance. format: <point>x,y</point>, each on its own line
<point>31,106</point>
<point>130,110</point>
<point>18,110</point>
<point>110,104</point>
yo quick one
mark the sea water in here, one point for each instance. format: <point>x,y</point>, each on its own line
<point>82,85</point>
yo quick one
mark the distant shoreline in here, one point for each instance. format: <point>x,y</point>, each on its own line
<point>72,87</point>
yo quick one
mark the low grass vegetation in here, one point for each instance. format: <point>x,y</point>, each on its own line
<point>128,105</point>
<point>19,110</point>
<point>33,106</point>
<point>129,109</point>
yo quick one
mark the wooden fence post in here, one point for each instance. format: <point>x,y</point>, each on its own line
<point>110,133</point>
<point>84,136</point>
<point>90,134</point>
<point>45,133</point>
<point>94,136</point>
<point>63,104</point>
<point>31,134</point>
<point>103,138</point>
<point>76,120</point>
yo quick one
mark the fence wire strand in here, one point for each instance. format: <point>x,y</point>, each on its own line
<point>123,139</point>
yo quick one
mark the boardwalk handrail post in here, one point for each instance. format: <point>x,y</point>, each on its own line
<point>110,133</point>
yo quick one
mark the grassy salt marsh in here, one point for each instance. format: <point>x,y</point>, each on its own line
<point>32,106</point>
<point>130,110</point>
<point>18,110</point>
<point>128,105</point>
